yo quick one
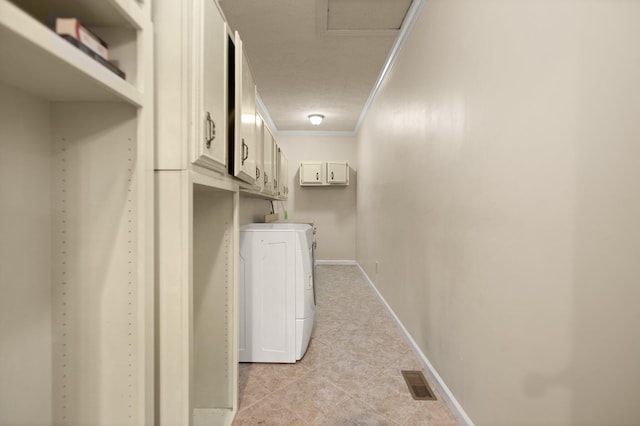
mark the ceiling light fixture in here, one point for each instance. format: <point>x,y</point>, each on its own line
<point>316,119</point>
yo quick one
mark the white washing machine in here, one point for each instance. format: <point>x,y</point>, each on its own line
<point>277,298</point>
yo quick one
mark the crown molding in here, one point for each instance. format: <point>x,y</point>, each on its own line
<point>316,133</point>
<point>410,19</point>
<point>264,113</point>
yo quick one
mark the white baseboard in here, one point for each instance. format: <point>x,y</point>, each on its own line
<point>337,262</point>
<point>450,400</point>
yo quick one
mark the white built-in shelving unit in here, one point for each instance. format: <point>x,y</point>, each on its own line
<point>119,215</point>
<point>197,215</point>
<point>197,299</point>
<point>76,217</point>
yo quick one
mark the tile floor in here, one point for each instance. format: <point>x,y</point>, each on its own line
<point>350,374</point>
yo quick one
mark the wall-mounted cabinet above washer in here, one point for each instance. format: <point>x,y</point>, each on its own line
<point>206,115</point>
<point>312,173</point>
<point>282,172</point>
<point>337,173</point>
<point>191,68</point>
<point>242,142</point>
<point>269,162</point>
<point>320,173</point>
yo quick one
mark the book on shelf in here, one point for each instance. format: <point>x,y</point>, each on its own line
<point>73,28</point>
<point>108,64</point>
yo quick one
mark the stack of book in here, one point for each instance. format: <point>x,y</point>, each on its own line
<point>77,34</point>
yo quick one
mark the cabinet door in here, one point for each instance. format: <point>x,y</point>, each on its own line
<point>286,177</point>
<point>278,184</point>
<point>338,173</point>
<point>210,141</point>
<point>259,152</point>
<point>283,174</point>
<point>269,163</point>
<point>245,117</point>
<point>311,173</point>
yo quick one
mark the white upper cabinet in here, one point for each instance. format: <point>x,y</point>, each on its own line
<point>311,173</point>
<point>337,173</point>
<point>320,173</point>
<point>191,71</point>
<point>206,99</point>
<point>283,174</point>
<point>269,165</point>
<point>244,150</point>
<point>260,152</point>
<point>210,77</point>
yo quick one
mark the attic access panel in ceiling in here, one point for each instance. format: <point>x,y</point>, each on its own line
<point>365,15</point>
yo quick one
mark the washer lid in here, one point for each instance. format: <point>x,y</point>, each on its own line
<point>307,221</point>
<point>277,225</point>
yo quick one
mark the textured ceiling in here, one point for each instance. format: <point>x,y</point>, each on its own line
<point>316,56</point>
<point>365,14</point>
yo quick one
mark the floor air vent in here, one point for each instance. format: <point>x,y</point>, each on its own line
<point>418,385</point>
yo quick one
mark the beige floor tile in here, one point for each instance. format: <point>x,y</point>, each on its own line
<point>275,376</point>
<point>435,415</point>
<point>320,353</point>
<point>251,387</point>
<point>311,397</point>
<point>353,412</point>
<point>269,411</point>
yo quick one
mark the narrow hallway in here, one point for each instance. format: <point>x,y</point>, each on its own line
<point>351,373</point>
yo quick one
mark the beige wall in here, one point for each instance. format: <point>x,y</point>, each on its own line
<point>498,192</point>
<point>252,209</point>
<point>332,208</point>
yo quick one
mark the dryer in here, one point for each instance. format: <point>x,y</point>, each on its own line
<point>276,292</point>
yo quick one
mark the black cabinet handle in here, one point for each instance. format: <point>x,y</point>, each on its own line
<point>317,176</point>
<point>257,173</point>
<point>331,175</point>
<point>209,130</point>
<point>245,151</point>
<point>266,178</point>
